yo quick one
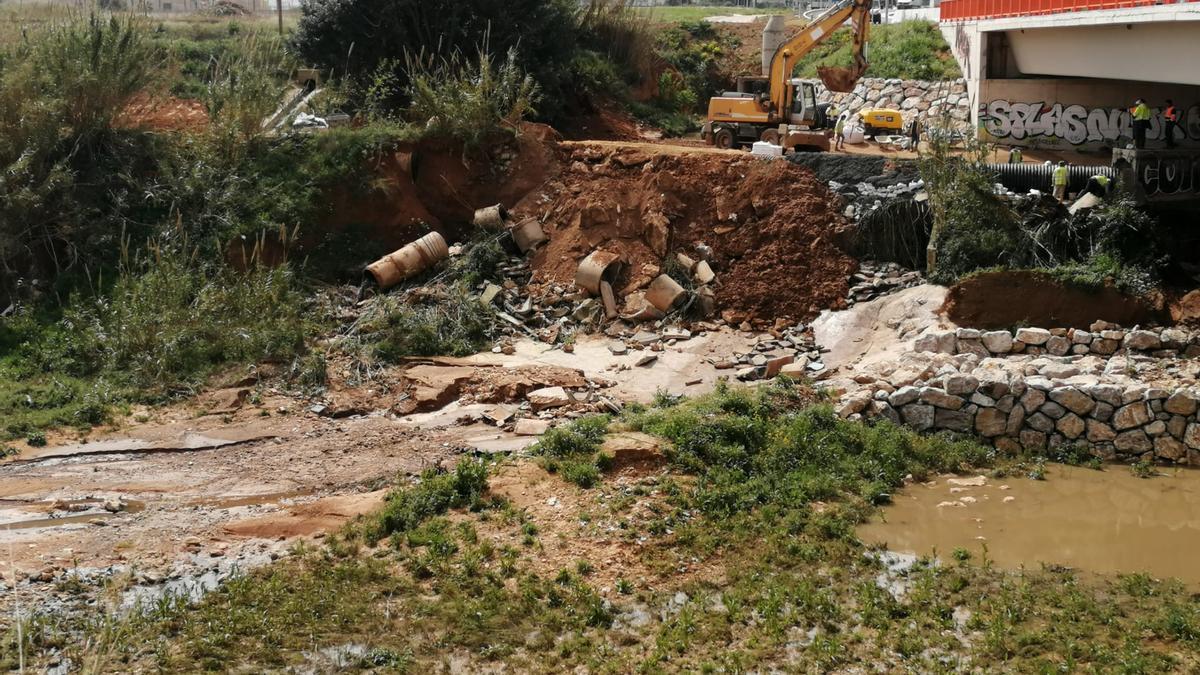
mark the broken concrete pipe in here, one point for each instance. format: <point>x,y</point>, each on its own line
<point>407,163</point>
<point>491,217</point>
<point>664,293</point>
<point>414,258</point>
<point>598,266</point>
<point>528,235</point>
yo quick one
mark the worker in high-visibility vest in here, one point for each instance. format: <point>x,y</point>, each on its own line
<point>1141,123</point>
<point>1060,174</point>
<point>839,132</point>
<point>1098,185</point>
<point>1014,155</point>
<point>1170,119</point>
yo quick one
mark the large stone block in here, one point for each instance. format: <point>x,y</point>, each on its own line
<point>904,396</point>
<point>1132,415</point>
<point>1073,399</point>
<point>1033,336</point>
<point>1039,422</point>
<point>1169,448</point>
<point>997,341</point>
<point>1053,410</point>
<point>1181,403</point>
<point>1106,393</point>
<point>1142,340</point>
<point>1058,345</point>
<point>1033,440</point>
<point>917,416</point>
<point>1033,399</point>
<point>1071,426</point>
<point>936,397</point>
<point>960,385</point>
<point>940,343</point>
<point>1134,441</point>
<point>1016,420</point>
<point>1191,436</point>
<point>954,420</point>
<point>990,422</point>
<point>1098,432</point>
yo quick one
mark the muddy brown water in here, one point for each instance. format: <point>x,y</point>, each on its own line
<point>1106,521</point>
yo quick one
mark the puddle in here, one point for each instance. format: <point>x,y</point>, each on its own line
<point>250,500</point>
<point>92,510</point>
<point>1100,521</point>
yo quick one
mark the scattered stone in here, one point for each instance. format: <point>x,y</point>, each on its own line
<point>646,360</point>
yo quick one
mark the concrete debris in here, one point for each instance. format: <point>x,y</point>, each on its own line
<point>548,397</point>
<point>875,280</point>
<point>531,427</point>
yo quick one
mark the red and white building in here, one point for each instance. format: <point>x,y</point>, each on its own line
<point>1064,73</point>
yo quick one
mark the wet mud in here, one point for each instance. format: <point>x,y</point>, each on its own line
<point>1105,522</point>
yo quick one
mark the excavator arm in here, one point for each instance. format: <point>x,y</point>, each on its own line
<point>791,51</point>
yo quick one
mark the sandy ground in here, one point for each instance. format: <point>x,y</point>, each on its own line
<point>199,494</point>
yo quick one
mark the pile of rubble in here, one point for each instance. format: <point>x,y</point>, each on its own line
<point>1125,394</point>
<point>875,280</point>
<point>792,352</point>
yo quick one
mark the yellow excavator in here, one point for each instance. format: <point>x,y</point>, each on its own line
<point>779,108</point>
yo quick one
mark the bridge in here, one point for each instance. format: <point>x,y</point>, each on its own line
<point>1064,73</point>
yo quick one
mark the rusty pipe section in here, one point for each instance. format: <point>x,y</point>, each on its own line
<point>414,258</point>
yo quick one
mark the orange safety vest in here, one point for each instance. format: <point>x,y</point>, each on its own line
<point>1171,114</point>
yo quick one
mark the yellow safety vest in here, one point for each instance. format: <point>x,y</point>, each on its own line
<point>1141,113</point>
<point>1060,175</point>
<point>1102,180</point>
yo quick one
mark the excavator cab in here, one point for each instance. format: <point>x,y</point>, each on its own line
<point>804,104</point>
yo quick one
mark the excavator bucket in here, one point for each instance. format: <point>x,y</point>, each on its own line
<point>839,79</point>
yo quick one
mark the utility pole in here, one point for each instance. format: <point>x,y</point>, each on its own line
<point>279,7</point>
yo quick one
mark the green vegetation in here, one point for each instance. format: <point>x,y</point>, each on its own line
<point>687,13</point>
<point>452,322</point>
<point>910,50</point>
<point>573,451</point>
<point>975,229</point>
<point>742,555</point>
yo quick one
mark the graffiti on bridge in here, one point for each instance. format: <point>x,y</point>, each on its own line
<point>1169,175</point>
<point>1075,124</point>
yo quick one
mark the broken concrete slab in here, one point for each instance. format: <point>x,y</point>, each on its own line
<point>548,397</point>
<point>531,427</point>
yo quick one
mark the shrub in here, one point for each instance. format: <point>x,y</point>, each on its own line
<point>468,100</point>
<point>436,493</point>
<point>356,37</point>
<point>753,448</point>
<point>581,437</point>
<point>452,323</point>
<point>973,227</point>
<point>60,89</point>
<point>169,321</point>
